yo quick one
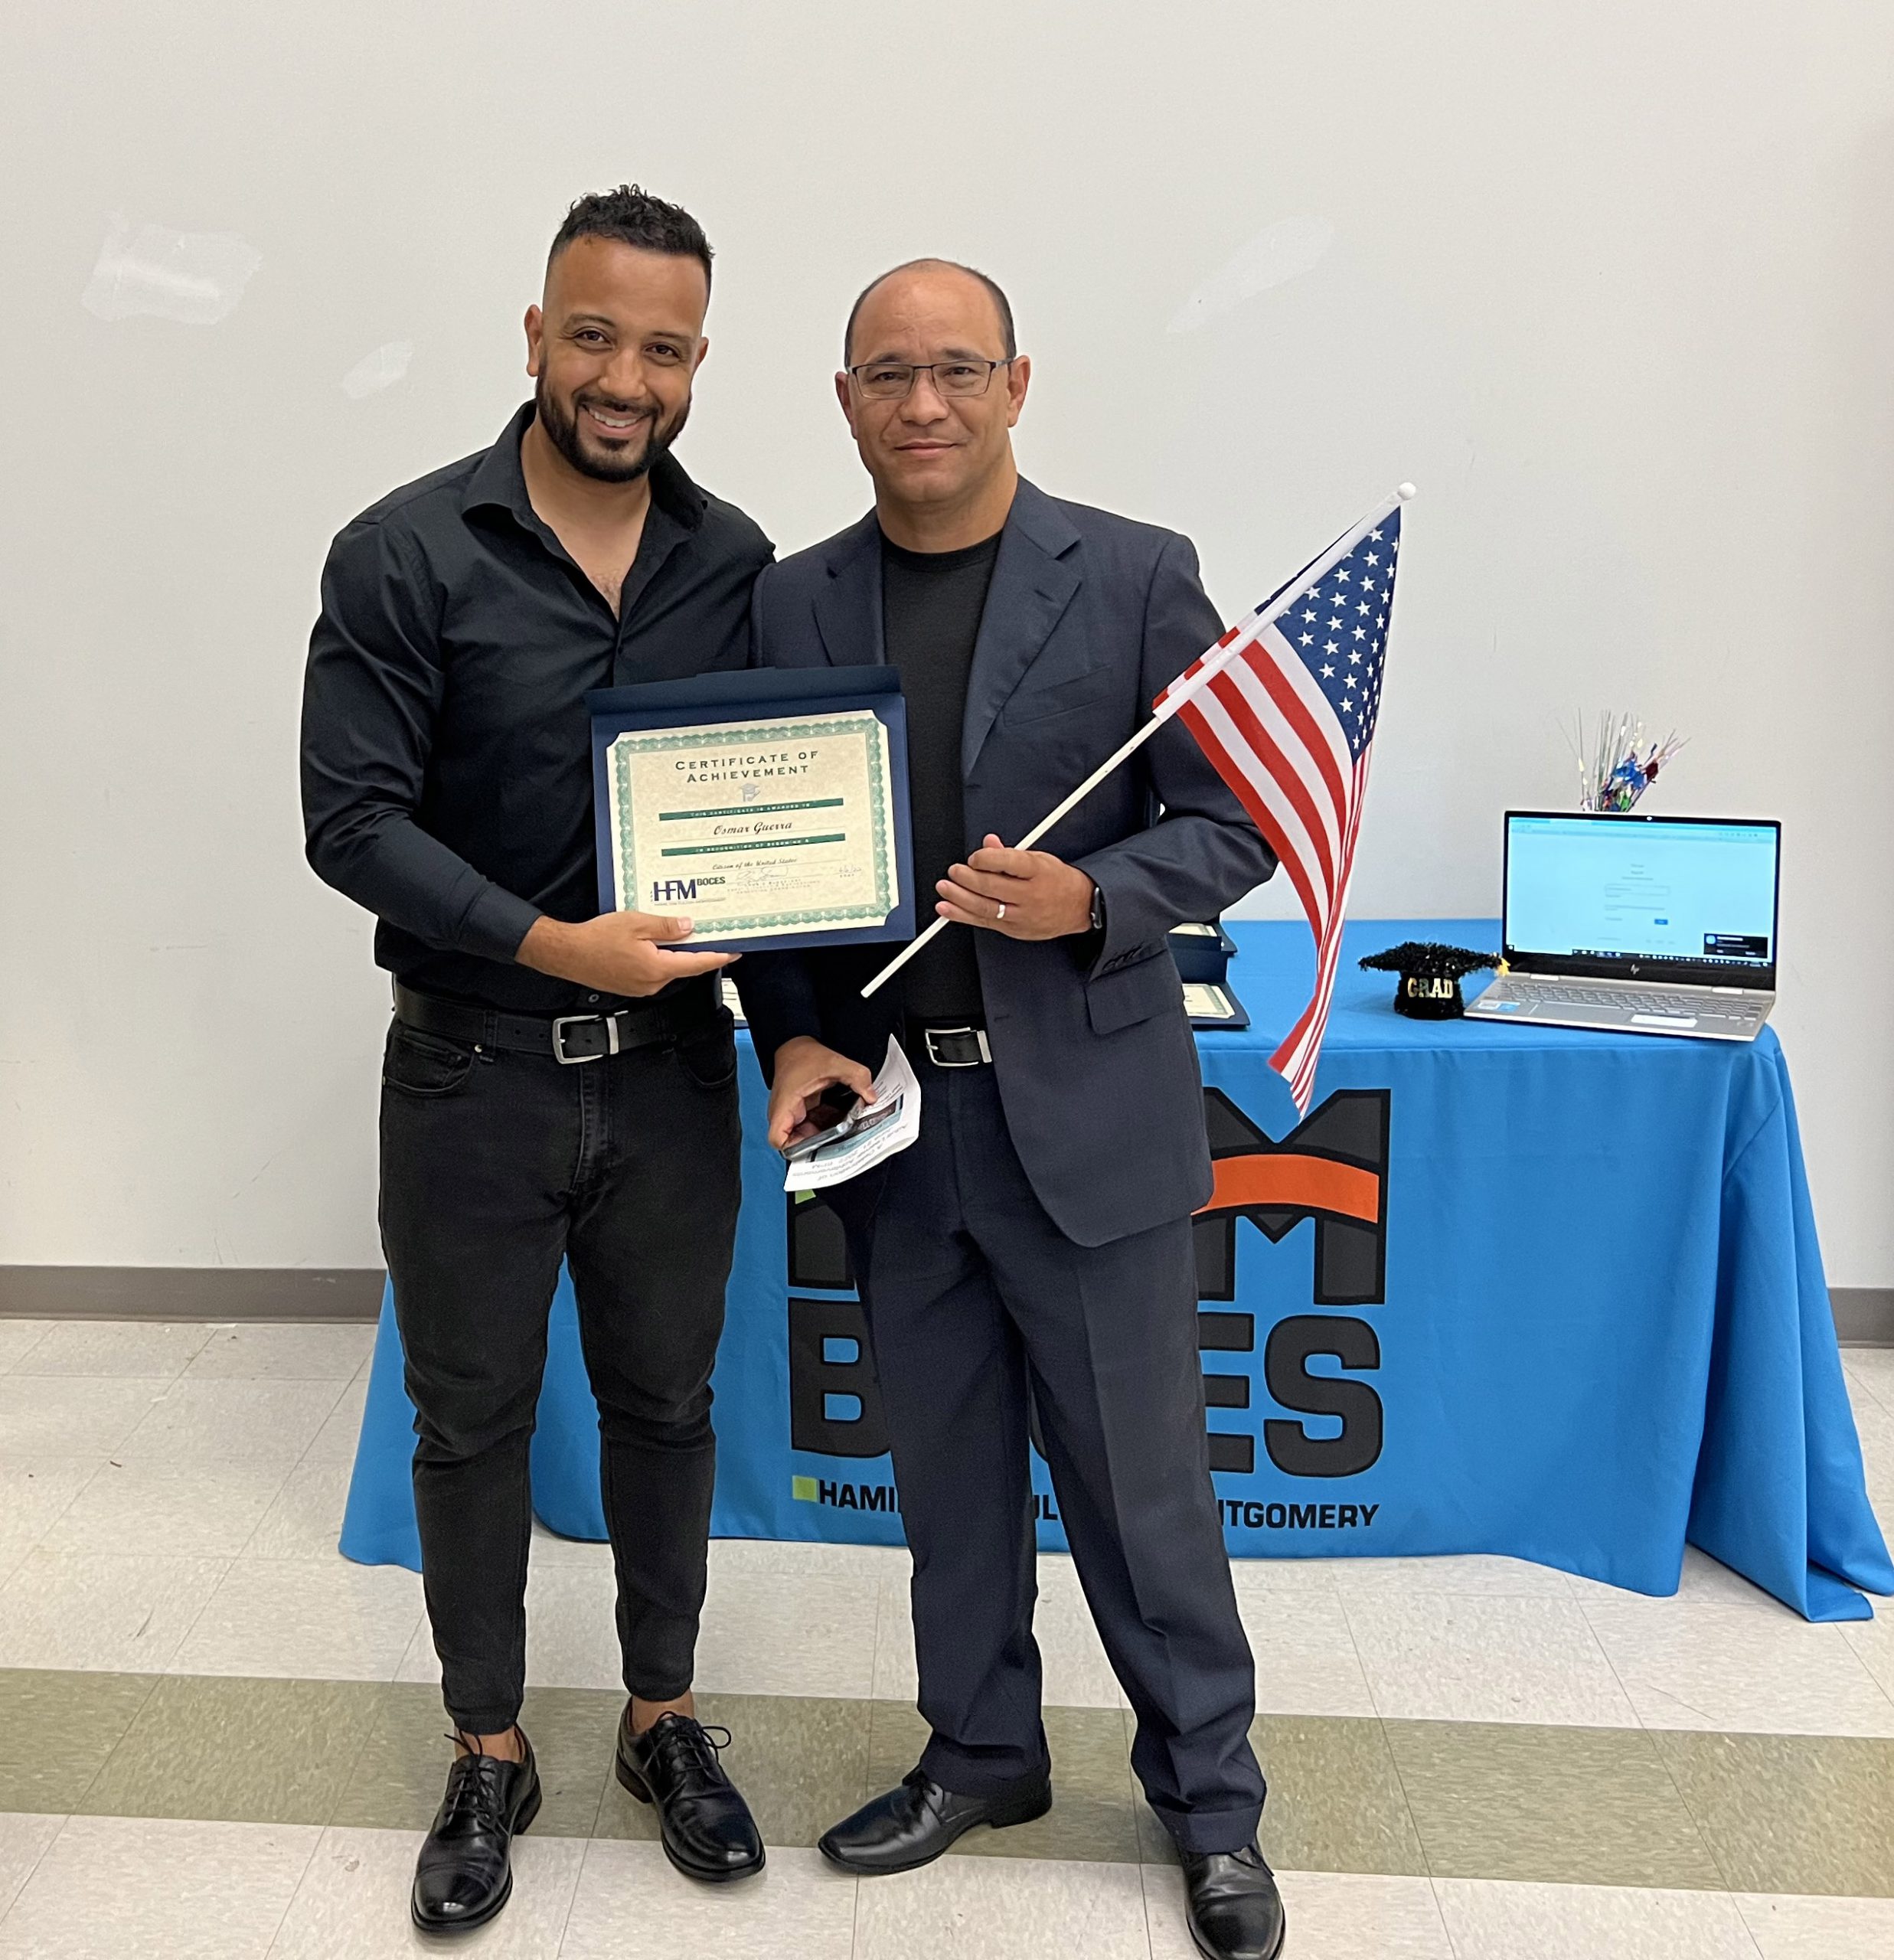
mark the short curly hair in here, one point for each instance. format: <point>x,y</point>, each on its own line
<point>633,217</point>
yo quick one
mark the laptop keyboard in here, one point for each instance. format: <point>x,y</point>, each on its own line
<point>1642,1004</point>
<point>1602,996</point>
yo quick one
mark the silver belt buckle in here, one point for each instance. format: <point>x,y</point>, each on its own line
<point>940,1060</point>
<point>564,1022</point>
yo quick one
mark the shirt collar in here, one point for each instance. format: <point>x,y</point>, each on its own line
<point>499,483</point>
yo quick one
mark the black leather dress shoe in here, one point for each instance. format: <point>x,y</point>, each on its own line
<point>1233,1906</point>
<point>912,1824</point>
<point>465,1873</point>
<point>707,1830</point>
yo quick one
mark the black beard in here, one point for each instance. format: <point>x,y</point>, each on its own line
<point>561,425</point>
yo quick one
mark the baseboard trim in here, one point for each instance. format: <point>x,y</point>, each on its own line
<point>1864,1315</point>
<point>190,1292</point>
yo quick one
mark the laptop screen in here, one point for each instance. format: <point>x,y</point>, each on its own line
<point>1680,897</point>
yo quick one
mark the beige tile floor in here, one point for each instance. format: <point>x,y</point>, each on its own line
<point>1461,1748</point>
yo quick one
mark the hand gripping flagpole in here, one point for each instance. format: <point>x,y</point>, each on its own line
<point>1214,663</point>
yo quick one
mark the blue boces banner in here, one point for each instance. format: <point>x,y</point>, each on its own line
<point>1524,1290</point>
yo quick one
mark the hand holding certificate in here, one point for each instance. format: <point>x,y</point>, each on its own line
<point>771,808</point>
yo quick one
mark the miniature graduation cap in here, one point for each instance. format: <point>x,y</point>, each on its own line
<point>1429,985</point>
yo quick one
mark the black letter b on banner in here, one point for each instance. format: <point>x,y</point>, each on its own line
<point>834,1401</point>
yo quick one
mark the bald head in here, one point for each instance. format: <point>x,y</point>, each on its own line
<point>922,273</point>
<point>932,383</point>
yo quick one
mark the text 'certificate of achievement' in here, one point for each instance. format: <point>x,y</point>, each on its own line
<point>757,828</point>
<point>769,809</point>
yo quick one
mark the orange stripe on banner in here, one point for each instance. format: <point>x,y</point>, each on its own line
<point>1288,1181</point>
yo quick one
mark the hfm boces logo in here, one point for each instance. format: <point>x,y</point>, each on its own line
<point>1331,1169</point>
<point>682,891</point>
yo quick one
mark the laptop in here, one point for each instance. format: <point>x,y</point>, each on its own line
<point>1643,925</point>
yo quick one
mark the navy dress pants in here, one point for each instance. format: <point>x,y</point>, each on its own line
<point>979,1308</point>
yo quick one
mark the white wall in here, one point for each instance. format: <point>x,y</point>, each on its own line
<point>1609,279</point>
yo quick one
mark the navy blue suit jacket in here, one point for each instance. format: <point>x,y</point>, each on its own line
<point>1089,617</point>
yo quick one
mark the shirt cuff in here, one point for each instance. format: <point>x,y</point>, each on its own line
<point>495,924</point>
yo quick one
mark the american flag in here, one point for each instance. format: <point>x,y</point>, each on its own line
<point>1284,705</point>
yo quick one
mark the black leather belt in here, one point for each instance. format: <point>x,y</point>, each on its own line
<point>957,1047</point>
<point>567,1037</point>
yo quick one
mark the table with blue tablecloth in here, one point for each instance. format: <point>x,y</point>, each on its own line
<point>1520,1290</point>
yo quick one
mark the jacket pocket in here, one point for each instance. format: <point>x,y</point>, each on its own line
<point>1085,690</point>
<point>1131,994</point>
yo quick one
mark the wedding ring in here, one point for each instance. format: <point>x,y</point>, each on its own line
<point>1001,913</point>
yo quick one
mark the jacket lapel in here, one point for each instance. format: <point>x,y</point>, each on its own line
<point>848,607</point>
<point>1034,579</point>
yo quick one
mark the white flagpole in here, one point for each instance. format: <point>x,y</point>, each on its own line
<point>1212,667</point>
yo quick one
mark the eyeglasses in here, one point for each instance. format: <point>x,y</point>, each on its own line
<point>894,381</point>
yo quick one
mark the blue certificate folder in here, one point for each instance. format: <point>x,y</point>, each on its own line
<point>757,694</point>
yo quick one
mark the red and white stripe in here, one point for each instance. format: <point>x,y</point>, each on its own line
<point>1271,734</point>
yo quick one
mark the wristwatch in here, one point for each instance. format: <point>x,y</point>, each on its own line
<point>1097,907</point>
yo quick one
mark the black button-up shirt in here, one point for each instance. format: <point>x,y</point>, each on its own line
<point>446,757</point>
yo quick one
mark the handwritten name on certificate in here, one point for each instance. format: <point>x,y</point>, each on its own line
<point>756,829</point>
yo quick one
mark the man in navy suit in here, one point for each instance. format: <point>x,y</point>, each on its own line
<point>1034,1248</point>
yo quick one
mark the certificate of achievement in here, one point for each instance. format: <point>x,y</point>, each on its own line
<point>756,829</point>
<point>768,805</point>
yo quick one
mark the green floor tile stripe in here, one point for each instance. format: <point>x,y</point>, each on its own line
<point>1553,1806</point>
<point>1679,1811</point>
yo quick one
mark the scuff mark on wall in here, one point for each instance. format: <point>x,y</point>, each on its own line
<point>195,277</point>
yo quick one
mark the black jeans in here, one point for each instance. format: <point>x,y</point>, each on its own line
<point>979,1309</point>
<point>494,1166</point>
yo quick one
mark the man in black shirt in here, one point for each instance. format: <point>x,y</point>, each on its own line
<point>1032,1250</point>
<point>931,605</point>
<point>557,1084</point>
